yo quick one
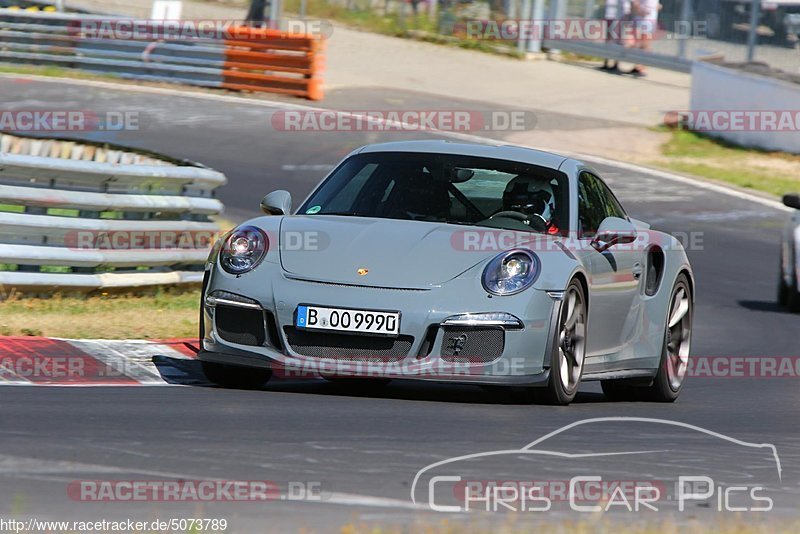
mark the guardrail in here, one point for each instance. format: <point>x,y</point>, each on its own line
<point>240,59</point>
<point>78,217</point>
<point>621,53</point>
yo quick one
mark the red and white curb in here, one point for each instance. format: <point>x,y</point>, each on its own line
<point>96,362</point>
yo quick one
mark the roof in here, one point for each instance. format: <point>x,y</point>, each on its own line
<point>442,146</point>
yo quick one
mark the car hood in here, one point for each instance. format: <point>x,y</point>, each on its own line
<point>396,253</point>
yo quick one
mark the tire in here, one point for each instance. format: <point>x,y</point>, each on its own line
<point>236,376</point>
<point>670,377</point>
<point>569,349</point>
<point>669,380</point>
<point>793,297</point>
<point>783,289</point>
<point>792,291</point>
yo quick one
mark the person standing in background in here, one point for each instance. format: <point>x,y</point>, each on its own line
<point>645,20</point>
<point>614,22</point>
<point>255,14</point>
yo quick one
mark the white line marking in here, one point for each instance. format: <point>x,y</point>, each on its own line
<point>695,182</point>
<point>125,359</point>
<point>26,467</point>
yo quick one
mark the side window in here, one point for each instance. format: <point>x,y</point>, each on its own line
<point>613,207</point>
<point>591,205</point>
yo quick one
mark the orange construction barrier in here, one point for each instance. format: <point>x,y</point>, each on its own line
<point>266,60</point>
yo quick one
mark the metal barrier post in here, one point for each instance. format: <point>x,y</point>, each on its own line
<point>274,13</point>
<point>524,15</point>
<point>535,43</point>
<point>752,31</point>
<point>558,11</point>
<point>686,14</point>
<point>588,9</point>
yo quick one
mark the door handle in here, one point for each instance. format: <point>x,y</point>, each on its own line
<point>637,270</point>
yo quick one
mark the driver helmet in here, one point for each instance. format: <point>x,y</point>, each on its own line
<point>531,195</point>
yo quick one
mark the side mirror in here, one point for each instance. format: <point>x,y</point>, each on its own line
<point>613,231</point>
<point>277,203</point>
<point>792,201</point>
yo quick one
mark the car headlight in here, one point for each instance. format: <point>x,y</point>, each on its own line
<point>243,249</point>
<point>511,272</point>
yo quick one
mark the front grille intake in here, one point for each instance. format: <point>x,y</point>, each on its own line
<point>240,325</point>
<point>348,347</point>
<point>472,344</point>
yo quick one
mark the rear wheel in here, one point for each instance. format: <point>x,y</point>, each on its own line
<point>236,376</point>
<point>569,351</point>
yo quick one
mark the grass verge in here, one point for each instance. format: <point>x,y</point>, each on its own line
<point>54,71</point>
<point>164,313</point>
<point>158,313</point>
<point>688,152</point>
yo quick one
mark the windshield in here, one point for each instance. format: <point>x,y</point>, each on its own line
<point>446,188</point>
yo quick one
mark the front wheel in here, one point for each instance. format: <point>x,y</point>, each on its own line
<point>671,375</point>
<point>235,376</point>
<point>569,351</point>
<point>669,379</point>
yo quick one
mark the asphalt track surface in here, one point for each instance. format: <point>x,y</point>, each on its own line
<point>365,447</point>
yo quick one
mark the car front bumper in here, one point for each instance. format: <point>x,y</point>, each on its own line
<point>424,349</point>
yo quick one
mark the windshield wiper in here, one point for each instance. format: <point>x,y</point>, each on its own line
<point>340,213</point>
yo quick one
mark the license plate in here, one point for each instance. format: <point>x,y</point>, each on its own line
<point>348,320</point>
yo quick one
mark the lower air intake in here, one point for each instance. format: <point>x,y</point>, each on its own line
<point>240,325</point>
<point>348,347</point>
<point>472,344</point>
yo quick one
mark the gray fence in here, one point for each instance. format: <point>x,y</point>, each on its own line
<point>255,60</point>
<point>51,38</point>
<point>81,217</point>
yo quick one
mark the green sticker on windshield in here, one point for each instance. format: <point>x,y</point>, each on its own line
<point>313,209</point>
